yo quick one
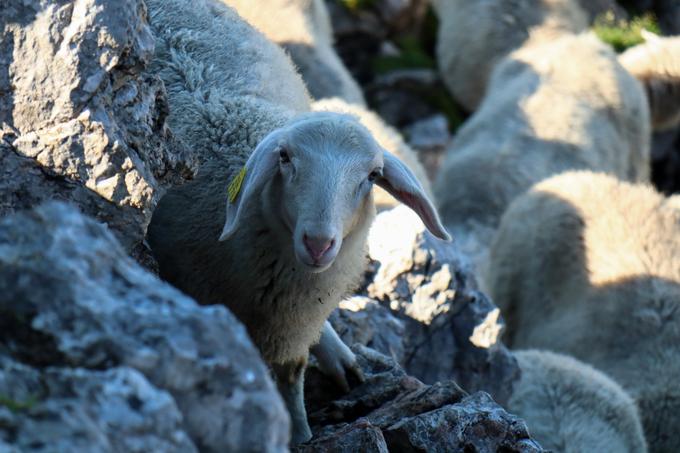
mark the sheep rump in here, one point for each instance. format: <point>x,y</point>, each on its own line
<point>571,407</point>
<point>589,266</point>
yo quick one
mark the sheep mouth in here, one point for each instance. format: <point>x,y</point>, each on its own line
<point>316,266</point>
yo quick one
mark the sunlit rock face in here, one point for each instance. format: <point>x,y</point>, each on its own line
<point>424,309</point>
<point>81,119</point>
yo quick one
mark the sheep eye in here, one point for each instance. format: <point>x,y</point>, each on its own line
<point>283,156</point>
<point>374,175</point>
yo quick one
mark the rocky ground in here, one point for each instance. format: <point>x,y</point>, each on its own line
<point>98,354</point>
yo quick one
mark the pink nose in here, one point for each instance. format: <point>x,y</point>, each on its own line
<point>317,246</point>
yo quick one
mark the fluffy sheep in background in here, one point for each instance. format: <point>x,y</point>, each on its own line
<point>293,185</point>
<point>542,117</point>
<point>571,407</point>
<point>303,28</point>
<point>387,137</point>
<point>588,265</point>
<point>656,63</point>
<point>475,35</point>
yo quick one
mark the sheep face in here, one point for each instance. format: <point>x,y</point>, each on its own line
<point>314,177</point>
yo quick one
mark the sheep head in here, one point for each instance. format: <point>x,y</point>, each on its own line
<point>314,177</point>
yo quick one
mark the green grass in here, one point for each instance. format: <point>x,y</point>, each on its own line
<point>16,406</point>
<point>624,34</point>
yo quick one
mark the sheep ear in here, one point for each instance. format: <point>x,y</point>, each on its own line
<point>403,185</point>
<point>247,184</point>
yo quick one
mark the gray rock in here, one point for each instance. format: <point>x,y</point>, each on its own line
<point>392,411</point>
<point>385,379</point>
<point>474,424</point>
<point>416,88</point>
<point>360,436</point>
<point>80,119</point>
<point>418,274</point>
<point>430,136</point>
<point>71,410</point>
<point>358,37</point>
<point>452,330</point>
<point>364,321</point>
<point>70,297</point>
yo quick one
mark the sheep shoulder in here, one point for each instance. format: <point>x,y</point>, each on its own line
<point>308,38</point>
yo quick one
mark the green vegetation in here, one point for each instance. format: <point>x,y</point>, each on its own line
<point>624,34</point>
<point>411,56</point>
<point>355,5</point>
<point>16,406</point>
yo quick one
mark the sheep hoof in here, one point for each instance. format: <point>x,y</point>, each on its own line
<point>339,368</point>
<point>336,360</point>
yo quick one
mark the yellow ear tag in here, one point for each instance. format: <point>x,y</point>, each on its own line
<point>235,185</point>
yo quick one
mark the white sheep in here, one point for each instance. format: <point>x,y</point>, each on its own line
<point>303,28</point>
<point>571,407</point>
<point>589,265</point>
<point>656,63</point>
<point>474,36</point>
<point>387,137</point>
<point>539,118</point>
<point>293,185</point>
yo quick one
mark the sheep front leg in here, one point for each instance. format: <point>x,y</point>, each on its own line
<point>335,358</point>
<point>290,379</point>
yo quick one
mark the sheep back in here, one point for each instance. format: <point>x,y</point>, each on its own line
<point>308,37</point>
<point>543,117</point>
<point>224,93</point>
<point>475,35</point>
